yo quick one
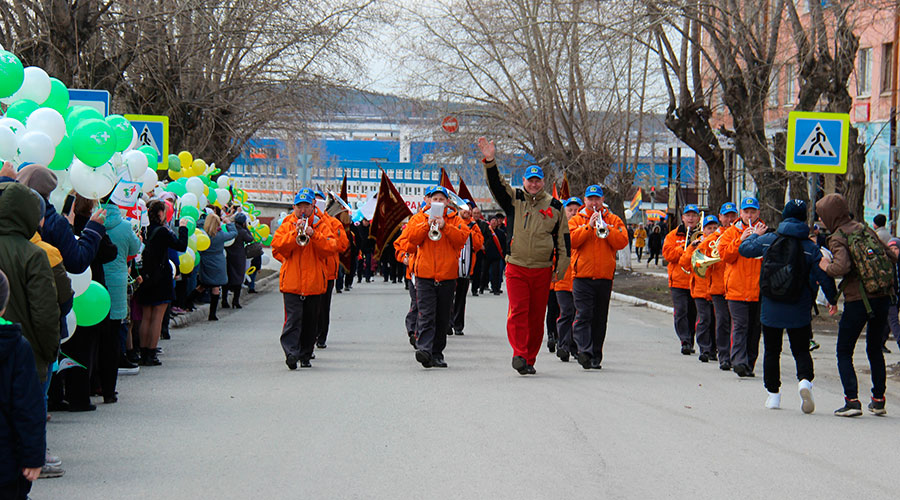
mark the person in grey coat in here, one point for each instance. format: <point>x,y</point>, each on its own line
<point>237,261</point>
<point>213,274</point>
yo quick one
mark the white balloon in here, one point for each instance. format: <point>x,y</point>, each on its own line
<point>14,125</point>
<point>148,180</point>
<point>35,86</point>
<point>58,198</point>
<point>188,200</point>
<point>223,196</point>
<point>80,282</point>
<point>71,324</point>
<point>36,147</point>
<point>629,213</point>
<point>118,164</point>
<point>195,185</point>
<point>137,164</point>
<point>92,183</point>
<point>202,202</point>
<point>134,139</point>
<point>229,242</point>
<point>9,145</point>
<point>48,121</point>
<point>223,181</point>
<point>266,259</point>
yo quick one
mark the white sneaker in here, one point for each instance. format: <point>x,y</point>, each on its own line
<point>52,460</point>
<point>807,404</point>
<point>773,402</point>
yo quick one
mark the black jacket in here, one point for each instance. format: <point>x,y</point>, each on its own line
<point>22,415</point>
<point>158,282</point>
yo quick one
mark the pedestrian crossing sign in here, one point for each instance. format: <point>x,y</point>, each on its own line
<point>153,131</point>
<point>817,142</point>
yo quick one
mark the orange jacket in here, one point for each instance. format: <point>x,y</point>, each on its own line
<point>303,269</point>
<point>741,273</point>
<point>672,250</point>
<point>403,250</point>
<point>716,272</point>
<point>333,262</point>
<point>699,286</point>
<point>565,284</point>
<point>593,257</point>
<point>437,260</point>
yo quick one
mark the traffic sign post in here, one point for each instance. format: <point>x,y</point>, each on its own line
<point>97,99</point>
<point>817,142</point>
<point>153,131</point>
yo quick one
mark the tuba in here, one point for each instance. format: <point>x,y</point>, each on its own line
<point>434,233</point>
<point>302,237</point>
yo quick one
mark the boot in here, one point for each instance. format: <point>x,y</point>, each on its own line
<point>236,302</point>
<point>213,305</point>
<point>225,297</point>
<point>148,357</point>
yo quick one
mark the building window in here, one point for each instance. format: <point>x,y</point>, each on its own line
<point>864,72</point>
<point>773,90</point>
<point>355,173</point>
<point>790,83</point>
<point>887,67</point>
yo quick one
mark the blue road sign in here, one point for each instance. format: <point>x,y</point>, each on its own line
<point>97,99</point>
<point>817,142</point>
<point>153,131</point>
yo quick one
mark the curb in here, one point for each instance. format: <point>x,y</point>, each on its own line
<point>628,299</point>
<point>201,313</point>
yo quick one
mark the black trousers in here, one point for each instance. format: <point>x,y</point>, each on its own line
<point>478,273</point>
<point>82,348</point>
<point>108,353</point>
<point>639,251</point>
<point>852,322</point>
<point>799,339</point>
<point>324,319</point>
<point>301,315</point>
<point>364,268</point>
<point>566,317</point>
<point>591,314</point>
<point>552,315</point>
<point>458,321</point>
<point>435,300</point>
<point>412,317</point>
<point>685,314</point>
<point>15,490</point>
<point>492,274</point>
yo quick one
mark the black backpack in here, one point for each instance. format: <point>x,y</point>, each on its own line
<point>785,272</point>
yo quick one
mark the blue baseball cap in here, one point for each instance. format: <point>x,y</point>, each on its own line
<point>691,208</point>
<point>576,200</point>
<point>728,208</point>
<point>319,193</point>
<point>437,189</point>
<point>710,219</point>
<point>305,195</point>
<point>470,203</point>
<point>749,202</point>
<point>534,171</point>
<point>593,190</point>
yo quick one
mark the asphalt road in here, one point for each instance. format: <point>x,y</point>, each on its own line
<point>224,418</point>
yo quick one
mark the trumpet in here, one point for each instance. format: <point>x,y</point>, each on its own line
<point>302,237</point>
<point>700,263</point>
<point>434,232</point>
<point>602,228</point>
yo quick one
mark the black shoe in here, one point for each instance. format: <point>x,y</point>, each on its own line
<point>254,291</point>
<point>439,363</point>
<point>424,357</point>
<point>87,407</point>
<point>338,290</point>
<point>304,363</point>
<point>291,362</point>
<point>108,400</point>
<point>459,332</point>
<point>312,356</point>
<point>876,407</point>
<point>149,358</point>
<point>320,345</point>
<point>563,355</point>
<point>346,288</point>
<point>551,344</point>
<point>851,408</point>
<point>412,339</point>
<point>474,293</point>
<point>713,356</point>
<point>236,305</point>
<point>520,365</point>
<point>686,348</point>
<point>584,359</point>
<point>885,350</point>
<point>704,357</point>
<point>529,370</point>
<point>60,406</point>
<point>725,366</point>
<point>164,335</point>
<point>212,318</point>
<point>495,293</point>
<point>133,356</point>
<point>742,370</point>
<point>595,363</point>
<point>225,304</point>
<point>125,363</point>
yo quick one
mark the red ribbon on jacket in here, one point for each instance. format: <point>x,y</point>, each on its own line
<point>547,212</point>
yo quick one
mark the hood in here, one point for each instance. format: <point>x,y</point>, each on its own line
<point>240,219</point>
<point>9,339</point>
<point>795,228</point>
<point>113,215</point>
<point>834,211</point>
<point>19,210</point>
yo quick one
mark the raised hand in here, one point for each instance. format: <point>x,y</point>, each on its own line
<point>487,148</point>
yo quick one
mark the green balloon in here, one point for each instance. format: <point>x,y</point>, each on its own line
<point>94,142</point>
<point>176,188</point>
<point>92,306</point>
<point>152,157</point>
<point>12,73</point>
<point>77,114</point>
<point>190,212</point>
<point>123,130</point>
<point>182,181</point>
<point>21,109</point>
<point>59,96</point>
<point>191,224</point>
<point>62,159</point>
<point>174,164</point>
<point>211,197</point>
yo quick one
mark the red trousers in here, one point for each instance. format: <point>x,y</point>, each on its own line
<point>528,290</point>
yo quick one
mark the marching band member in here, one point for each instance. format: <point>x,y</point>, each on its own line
<point>474,244</point>
<point>742,289</point>
<point>700,290</point>
<point>303,243</point>
<point>436,268</point>
<point>716,273</point>
<point>597,234</point>
<point>332,263</point>
<point>406,254</point>
<point>537,233</point>
<point>680,278</point>
<point>563,291</point>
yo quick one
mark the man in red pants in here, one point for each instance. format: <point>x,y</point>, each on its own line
<point>537,233</point>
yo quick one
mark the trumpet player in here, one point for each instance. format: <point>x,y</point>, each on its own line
<point>406,254</point>
<point>728,213</point>
<point>675,245</point>
<point>332,263</point>
<point>742,288</point>
<point>436,268</point>
<point>302,278</point>
<point>700,289</point>
<point>597,234</point>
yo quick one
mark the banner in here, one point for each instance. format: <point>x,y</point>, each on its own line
<point>564,189</point>
<point>344,190</point>
<point>636,201</point>
<point>464,192</point>
<point>390,212</point>
<point>445,181</point>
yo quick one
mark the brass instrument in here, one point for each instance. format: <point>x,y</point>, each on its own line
<point>602,228</point>
<point>434,232</point>
<point>700,263</point>
<point>302,237</point>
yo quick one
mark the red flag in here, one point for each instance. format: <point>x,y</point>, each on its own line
<point>390,212</point>
<point>343,194</point>
<point>464,192</point>
<point>445,180</point>
<point>555,192</point>
<point>564,189</point>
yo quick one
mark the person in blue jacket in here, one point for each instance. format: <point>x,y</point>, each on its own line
<point>22,430</point>
<point>795,315</point>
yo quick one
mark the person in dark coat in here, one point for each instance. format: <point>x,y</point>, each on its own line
<point>367,247</point>
<point>496,248</point>
<point>157,289</point>
<point>654,245</point>
<point>237,261</point>
<point>213,273</point>
<point>23,430</point>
